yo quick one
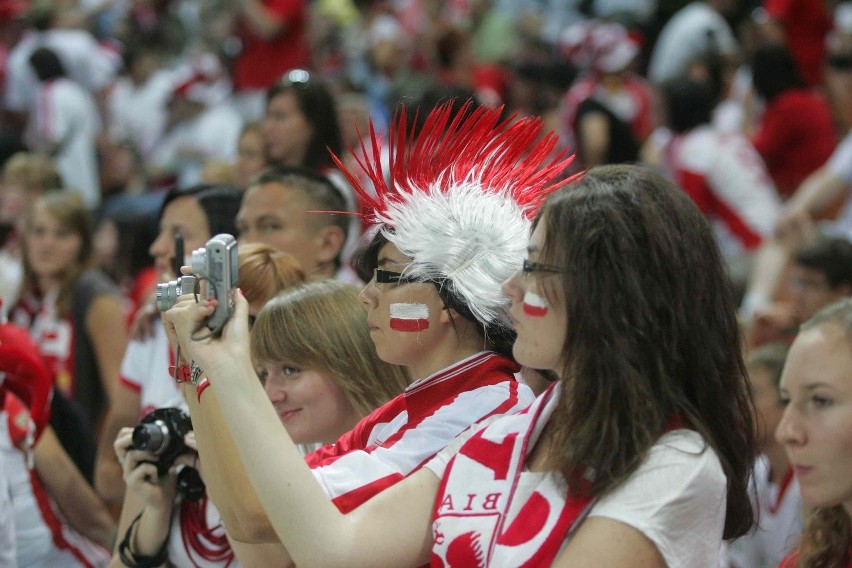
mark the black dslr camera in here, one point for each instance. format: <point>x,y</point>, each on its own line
<point>161,433</point>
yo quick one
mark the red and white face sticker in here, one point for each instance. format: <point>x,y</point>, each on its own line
<point>409,317</point>
<point>534,305</point>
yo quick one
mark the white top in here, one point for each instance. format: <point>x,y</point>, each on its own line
<point>84,60</point>
<point>840,164</point>
<point>212,135</point>
<point>137,113</point>
<point>779,520</point>
<point>677,497</point>
<point>145,369</point>
<point>686,37</point>
<point>65,114</point>
<point>7,516</point>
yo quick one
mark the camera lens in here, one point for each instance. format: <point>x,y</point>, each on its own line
<point>151,437</point>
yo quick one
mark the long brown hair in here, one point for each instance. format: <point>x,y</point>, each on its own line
<point>827,537</point>
<point>321,325</point>
<point>651,333</point>
<point>68,209</point>
<point>265,271</point>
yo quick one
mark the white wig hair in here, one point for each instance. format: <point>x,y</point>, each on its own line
<point>460,198</point>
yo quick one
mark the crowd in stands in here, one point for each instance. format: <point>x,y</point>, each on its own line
<point>658,191</point>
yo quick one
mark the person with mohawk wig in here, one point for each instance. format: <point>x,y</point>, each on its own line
<point>453,222</point>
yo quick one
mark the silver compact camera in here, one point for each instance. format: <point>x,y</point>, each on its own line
<point>169,292</point>
<point>217,263</point>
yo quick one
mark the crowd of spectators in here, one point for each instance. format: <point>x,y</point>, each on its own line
<point>120,117</point>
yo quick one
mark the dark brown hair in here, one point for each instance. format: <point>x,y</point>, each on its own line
<point>652,332</point>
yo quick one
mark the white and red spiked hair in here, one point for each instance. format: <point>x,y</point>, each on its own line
<point>460,197</point>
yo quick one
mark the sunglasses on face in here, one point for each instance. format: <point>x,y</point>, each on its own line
<point>530,267</point>
<point>390,277</point>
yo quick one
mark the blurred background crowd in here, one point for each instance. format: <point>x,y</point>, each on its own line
<point>746,105</point>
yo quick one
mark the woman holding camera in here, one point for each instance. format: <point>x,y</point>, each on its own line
<point>638,456</point>
<point>263,273</point>
<point>319,377</point>
<point>816,430</point>
<point>196,213</point>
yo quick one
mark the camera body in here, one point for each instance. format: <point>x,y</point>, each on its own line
<point>218,264</point>
<point>161,433</point>
<point>168,292</point>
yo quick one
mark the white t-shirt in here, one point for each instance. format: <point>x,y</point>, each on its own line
<point>8,558</point>
<point>64,113</point>
<point>840,164</point>
<point>84,60</point>
<point>677,497</point>
<point>145,369</point>
<point>779,520</point>
<point>137,113</point>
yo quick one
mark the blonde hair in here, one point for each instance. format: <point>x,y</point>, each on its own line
<point>68,209</point>
<point>265,271</point>
<point>321,325</point>
<point>36,172</point>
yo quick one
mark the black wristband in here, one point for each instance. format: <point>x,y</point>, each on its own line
<point>133,560</point>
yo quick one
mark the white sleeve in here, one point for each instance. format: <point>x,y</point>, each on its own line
<point>840,162</point>
<point>677,499</point>
<point>8,557</point>
<point>741,182</point>
<point>438,464</point>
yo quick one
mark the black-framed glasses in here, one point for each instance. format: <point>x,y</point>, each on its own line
<point>530,267</point>
<point>390,277</point>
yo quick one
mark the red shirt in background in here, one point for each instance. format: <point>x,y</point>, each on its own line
<point>805,23</point>
<point>262,62</point>
<point>795,137</point>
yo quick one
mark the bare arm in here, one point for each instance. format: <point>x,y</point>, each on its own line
<point>267,555</point>
<point>817,192</point>
<point>224,475</point>
<point>393,528</point>
<point>123,412</point>
<point>105,326</point>
<point>602,543</point>
<point>79,504</point>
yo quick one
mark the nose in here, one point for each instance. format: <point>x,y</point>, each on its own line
<point>368,293</point>
<point>789,431</point>
<point>512,286</point>
<point>275,390</point>
<point>161,247</point>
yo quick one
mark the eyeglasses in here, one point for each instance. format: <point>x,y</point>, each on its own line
<point>389,277</point>
<point>529,267</point>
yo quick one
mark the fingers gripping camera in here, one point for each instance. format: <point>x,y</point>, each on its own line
<point>217,264</point>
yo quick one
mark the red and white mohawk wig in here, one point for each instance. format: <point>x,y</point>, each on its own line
<point>460,197</point>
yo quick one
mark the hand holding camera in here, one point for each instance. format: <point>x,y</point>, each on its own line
<point>149,451</point>
<point>215,264</point>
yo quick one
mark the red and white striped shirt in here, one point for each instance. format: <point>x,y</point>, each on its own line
<point>399,437</point>
<point>727,179</point>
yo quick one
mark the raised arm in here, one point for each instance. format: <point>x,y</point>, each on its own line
<point>392,529</point>
<point>226,479</point>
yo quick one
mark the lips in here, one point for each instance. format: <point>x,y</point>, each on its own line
<point>288,414</point>
<point>802,470</point>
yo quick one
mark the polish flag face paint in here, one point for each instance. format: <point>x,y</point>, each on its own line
<point>409,317</point>
<point>534,305</point>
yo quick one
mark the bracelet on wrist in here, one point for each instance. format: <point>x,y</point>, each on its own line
<point>133,560</point>
<point>205,382</point>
